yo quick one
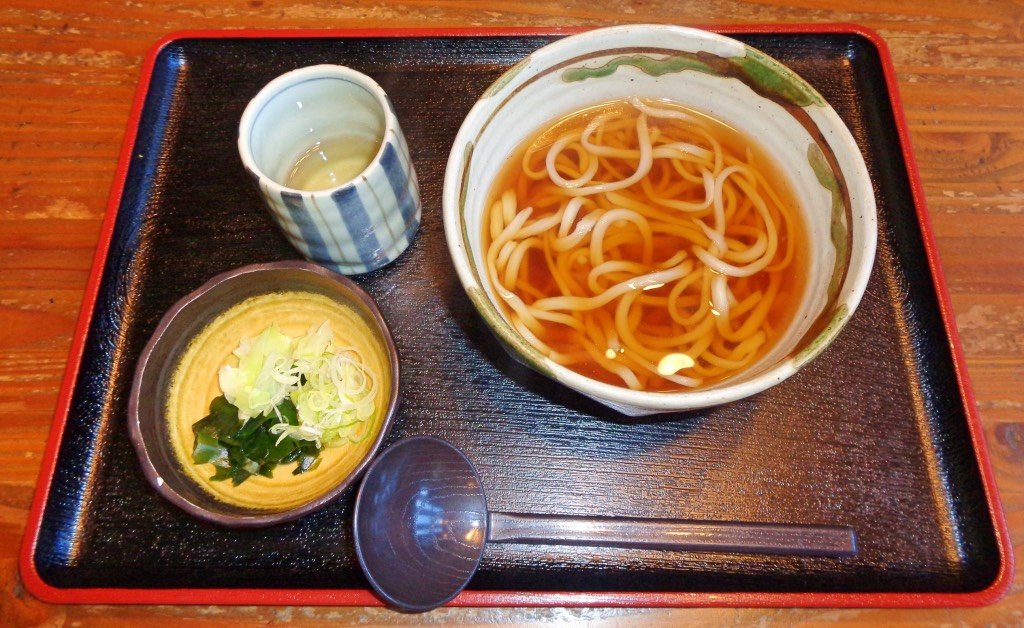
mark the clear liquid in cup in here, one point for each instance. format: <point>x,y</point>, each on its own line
<point>332,162</point>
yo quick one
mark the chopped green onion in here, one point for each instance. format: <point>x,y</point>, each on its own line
<point>284,402</point>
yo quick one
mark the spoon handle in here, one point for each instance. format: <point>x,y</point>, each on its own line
<point>734,537</point>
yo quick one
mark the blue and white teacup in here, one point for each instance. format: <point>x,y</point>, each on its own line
<point>324,146</point>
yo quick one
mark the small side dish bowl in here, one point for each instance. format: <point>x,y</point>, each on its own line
<point>721,78</point>
<point>177,377</point>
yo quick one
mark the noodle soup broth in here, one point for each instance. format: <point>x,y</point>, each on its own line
<point>645,245</point>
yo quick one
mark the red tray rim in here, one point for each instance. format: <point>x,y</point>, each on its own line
<point>363,597</point>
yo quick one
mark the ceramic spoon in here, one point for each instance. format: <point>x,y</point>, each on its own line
<point>421,523</point>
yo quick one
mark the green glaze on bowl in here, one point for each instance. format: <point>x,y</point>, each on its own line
<point>838,320</point>
<point>515,344</point>
<point>645,63</point>
<point>506,78</point>
<point>776,81</point>
<point>760,72</point>
<point>839,231</point>
<point>467,159</point>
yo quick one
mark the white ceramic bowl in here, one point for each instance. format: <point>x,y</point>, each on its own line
<point>720,77</point>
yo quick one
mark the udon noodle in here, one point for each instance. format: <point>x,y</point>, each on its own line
<point>644,245</point>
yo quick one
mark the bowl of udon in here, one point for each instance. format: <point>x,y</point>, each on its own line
<point>660,218</point>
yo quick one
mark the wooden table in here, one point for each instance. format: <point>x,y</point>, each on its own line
<point>68,72</point>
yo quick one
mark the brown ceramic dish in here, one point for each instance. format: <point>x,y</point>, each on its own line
<point>148,416</point>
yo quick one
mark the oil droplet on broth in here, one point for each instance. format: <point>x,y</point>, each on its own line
<point>674,362</point>
<point>332,162</point>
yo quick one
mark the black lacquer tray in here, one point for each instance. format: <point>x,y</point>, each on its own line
<point>879,433</point>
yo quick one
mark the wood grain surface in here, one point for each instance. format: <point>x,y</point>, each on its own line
<point>68,72</point>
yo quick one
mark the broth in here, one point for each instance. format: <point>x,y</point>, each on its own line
<point>645,245</point>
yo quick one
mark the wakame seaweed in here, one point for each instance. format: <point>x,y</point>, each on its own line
<point>240,449</point>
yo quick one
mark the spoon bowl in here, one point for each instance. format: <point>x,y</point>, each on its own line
<point>420,523</point>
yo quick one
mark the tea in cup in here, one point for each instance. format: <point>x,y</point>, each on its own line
<point>329,158</point>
